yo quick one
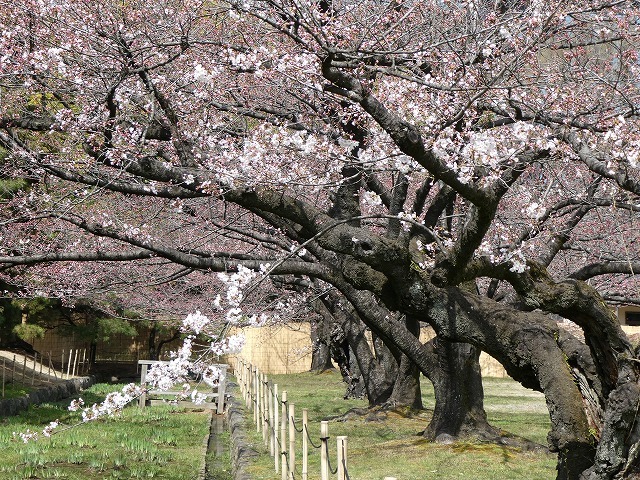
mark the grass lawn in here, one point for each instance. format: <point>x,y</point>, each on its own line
<point>158,442</point>
<point>389,444</point>
<point>15,390</point>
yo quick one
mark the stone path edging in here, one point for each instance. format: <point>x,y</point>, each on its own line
<point>241,451</point>
<point>51,393</point>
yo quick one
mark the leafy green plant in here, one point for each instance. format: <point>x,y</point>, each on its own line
<point>123,447</point>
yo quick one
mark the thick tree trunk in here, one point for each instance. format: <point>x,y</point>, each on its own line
<point>406,388</point>
<point>377,382</point>
<point>457,384</point>
<point>349,369</point>
<point>526,343</point>
<point>320,354</point>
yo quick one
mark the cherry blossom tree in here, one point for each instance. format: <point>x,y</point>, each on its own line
<point>468,164</point>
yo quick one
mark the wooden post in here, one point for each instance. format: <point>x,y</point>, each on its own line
<point>254,387</point>
<point>222,390</point>
<point>265,410</point>
<point>240,376</point>
<point>324,450</point>
<point>258,411</point>
<point>75,363</point>
<point>52,368</point>
<point>283,437</point>
<point>246,384</point>
<point>24,368</point>
<point>13,371</point>
<point>271,415</point>
<point>245,375</point>
<point>85,367</point>
<point>40,367</point>
<point>49,367</point>
<point>276,421</point>
<point>251,385</point>
<point>342,457</point>
<point>305,443</point>
<point>292,441</point>
<point>142,400</point>
<point>33,373</point>
<point>4,364</point>
<point>69,363</point>
<point>62,365</point>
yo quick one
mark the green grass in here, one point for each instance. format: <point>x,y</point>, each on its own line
<point>389,444</point>
<point>157,442</point>
<point>219,463</point>
<point>14,390</point>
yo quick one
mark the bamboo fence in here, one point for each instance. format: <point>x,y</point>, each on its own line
<point>39,369</point>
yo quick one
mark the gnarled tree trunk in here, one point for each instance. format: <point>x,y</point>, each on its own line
<point>457,384</point>
<point>320,353</point>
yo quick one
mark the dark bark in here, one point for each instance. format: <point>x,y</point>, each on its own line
<point>349,348</point>
<point>525,343</point>
<point>153,351</point>
<point>376,381</point>
<point>320,354</point>
<point>349,369</point>
<point>457,383</point>
<point>406,388</point>
<point>384,374</point>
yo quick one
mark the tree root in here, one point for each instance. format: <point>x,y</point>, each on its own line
<point>479,434</point>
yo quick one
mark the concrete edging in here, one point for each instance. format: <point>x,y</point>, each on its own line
<point>51,393</point>
<point>241,451</point>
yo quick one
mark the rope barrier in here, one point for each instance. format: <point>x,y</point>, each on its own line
<point>299,430</point>
<point>263,394</point>
<point>332,470</point>
<point>344,463</point>
<point>306,430</point>
<point>295,470</point>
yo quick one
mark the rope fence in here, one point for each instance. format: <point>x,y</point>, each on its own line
<point>275,419</point>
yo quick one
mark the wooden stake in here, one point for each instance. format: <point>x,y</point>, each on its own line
<point>33,374</point>
<point>69,363</point>
<point>85,367</point>
<point>292,441</point>
<point>276,421</point>
<point>324,449</point>
<point>283,437</point>
<point>75,363</point>
<point>305,443</point>
<point>342,457</point>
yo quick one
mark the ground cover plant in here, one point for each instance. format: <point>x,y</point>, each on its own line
<point>14,390</point>
<point>156,442</point>
<point>388,443</point>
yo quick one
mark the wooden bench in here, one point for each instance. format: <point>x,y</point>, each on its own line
<point>216,394</point>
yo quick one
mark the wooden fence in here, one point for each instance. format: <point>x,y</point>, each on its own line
<point>216,394</point>
<point>40,369</point>
<point>274,416</point>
